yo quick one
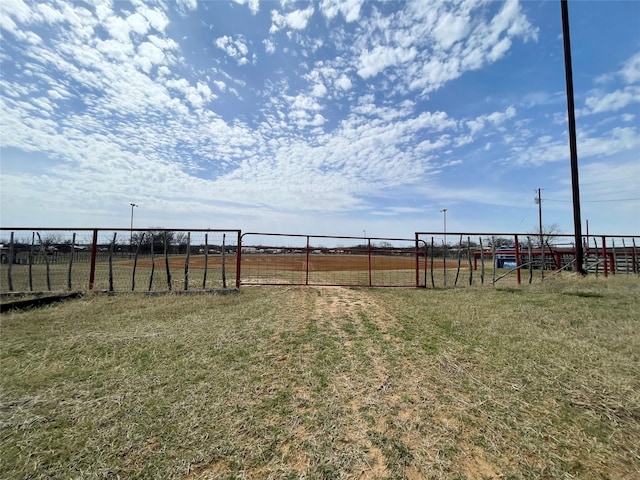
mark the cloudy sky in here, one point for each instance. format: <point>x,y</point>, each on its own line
<point>330,117</point>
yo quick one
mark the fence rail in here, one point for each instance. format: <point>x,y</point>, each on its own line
<point>66,259</point>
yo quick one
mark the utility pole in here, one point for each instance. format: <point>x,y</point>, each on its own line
<point>577,222</point>
<point>539,202</point>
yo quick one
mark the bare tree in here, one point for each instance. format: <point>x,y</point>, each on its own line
<point>549,232</point>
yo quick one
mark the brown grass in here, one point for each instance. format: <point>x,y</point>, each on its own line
<point>294,382</point>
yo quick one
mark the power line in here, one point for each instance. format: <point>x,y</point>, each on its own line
<point>594,201</point>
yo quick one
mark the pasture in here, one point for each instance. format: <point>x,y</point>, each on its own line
<point>539,381</point>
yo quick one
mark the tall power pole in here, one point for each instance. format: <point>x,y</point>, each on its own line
<point>577,222</point>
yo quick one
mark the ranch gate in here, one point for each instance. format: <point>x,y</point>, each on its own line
<point>38,260</point>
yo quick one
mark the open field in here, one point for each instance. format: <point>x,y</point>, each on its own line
<point>541,381</point>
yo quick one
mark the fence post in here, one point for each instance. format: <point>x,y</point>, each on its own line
<point>493,259</point>
<point>33,242</point>
<point>517,259</point>
<point>469,257</point>
<point>10,261</point>
<point>369,255</point>
<point>238,258</point>
<point>635,257</point>
<point>306,280</point>
<point>605,259</point>
<point>111,249</point>
<point>166,261</point>
<point>444,263</point>
<point>186,262</point>
<point>94,252</point>
<point>433,283</point>
<point>223,260</point>
<point>481,261</point>
<point>417,262</point>
<point>613,256</point>
<point>73,251</point>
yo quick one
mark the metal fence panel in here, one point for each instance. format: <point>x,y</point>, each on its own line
<point>273,259</point>
<point>56,260</point>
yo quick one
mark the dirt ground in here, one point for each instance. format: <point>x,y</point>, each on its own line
<point>296,263</point>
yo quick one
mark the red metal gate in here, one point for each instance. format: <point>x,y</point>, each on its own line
<point>277,259</point>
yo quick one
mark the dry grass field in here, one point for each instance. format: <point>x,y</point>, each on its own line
<point>541,381</point>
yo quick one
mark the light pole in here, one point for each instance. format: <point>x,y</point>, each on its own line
<point>131,229</point>
<point>444,211</point>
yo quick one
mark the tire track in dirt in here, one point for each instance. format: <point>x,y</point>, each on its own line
<point>372,399</point>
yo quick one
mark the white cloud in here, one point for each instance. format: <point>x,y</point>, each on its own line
<point>375,61</point>
<point>254,5</point>
<point>617,141</point>
<point>269,46</point>
<point>613,101</point>
<point>450,29</point>
<point>350,9</point>
<point>233,47</point>
<point>631,70</point>
<point>495,118</point>
<point>296,20</point>
<point>343,83</point>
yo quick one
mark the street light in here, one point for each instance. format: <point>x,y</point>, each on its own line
<point>444,211</point>
<point>131,229</point>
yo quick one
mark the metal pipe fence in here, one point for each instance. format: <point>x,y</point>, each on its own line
<point>293,259</point>
<point>60,259</point>
<point>151,260</point>
<point>460,258</point>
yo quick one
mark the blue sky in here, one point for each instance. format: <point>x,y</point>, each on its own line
<point>330,117</point>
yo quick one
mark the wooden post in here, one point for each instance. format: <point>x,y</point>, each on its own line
<point>111,249</point>
<point>238,257</point>
<point>459,261</point>
<point>433,283</point>
<point>481,262</point>
<point>224,253</point>
<point>444,262</point>
<point>635,258</point>
<point>186,262</point>
<point>517,249</point>
<point>417,251</point>
<point>613,256</point>
<point>153,261</point>
<point>306,281</point>
<point>206,260</point>
<point>73,250</point>
<point>166,260</point>
<point>135,262</point>
<point>605,260</point>
<point>369,258</point>
<point>595,243</point>
<point>470,264</point>
<point>46,261</point>
<point>493,256</point>
<point>530,258</point>
<point>92,265</point>
<point>33,241</point>
<point>10,264</point>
